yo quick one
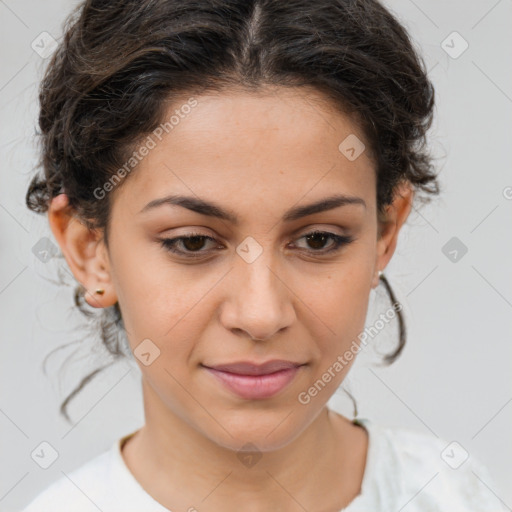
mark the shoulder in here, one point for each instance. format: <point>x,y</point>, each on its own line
<point>81,490</point>
<point>433,473</point>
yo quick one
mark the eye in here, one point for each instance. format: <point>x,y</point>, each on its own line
<point>193,243</point>
<point>317,240</point>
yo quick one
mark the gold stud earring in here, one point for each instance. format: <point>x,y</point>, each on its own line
<point>100,291</point>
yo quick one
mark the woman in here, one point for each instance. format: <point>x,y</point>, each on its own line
<point>227,180</point>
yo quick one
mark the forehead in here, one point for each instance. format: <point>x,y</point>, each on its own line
<point>267,149</point>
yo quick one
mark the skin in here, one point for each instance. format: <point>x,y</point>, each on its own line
<point>257,155</point>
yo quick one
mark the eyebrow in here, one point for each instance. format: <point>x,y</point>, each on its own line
<point>213,210</point>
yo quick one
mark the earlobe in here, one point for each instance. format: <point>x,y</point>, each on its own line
<point>84,252</point>
<point>376,278</point>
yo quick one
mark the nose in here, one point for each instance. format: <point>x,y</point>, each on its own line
<point>260,304</point>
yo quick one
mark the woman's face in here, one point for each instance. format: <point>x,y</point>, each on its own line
<point>253,287</point>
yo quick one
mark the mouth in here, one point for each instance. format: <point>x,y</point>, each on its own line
<point>255,381</point>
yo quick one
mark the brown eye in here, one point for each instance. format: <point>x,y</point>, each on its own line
<point>317,240</point>
<point>193,243</point>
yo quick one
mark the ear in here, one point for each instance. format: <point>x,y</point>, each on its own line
<point>84,251</point>
<point>389,225</point>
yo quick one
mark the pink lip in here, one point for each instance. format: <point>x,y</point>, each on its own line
<point>252,381</point>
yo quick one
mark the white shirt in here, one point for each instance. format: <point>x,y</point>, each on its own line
<point>405,471</point>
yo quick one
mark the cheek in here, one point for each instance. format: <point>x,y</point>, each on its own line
<point>154,293</point>
<point>168,304</point>
<point>337,305</point>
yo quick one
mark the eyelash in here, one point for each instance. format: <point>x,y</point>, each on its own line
<point>339,241</point>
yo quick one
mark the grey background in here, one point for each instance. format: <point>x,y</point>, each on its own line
<point>453,379</point>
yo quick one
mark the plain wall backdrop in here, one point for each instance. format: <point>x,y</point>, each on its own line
<point>454,377</point>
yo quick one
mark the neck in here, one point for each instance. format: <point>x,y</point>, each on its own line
<point>183,469</point>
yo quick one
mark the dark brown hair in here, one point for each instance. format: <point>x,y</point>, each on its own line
<point>121,61</point>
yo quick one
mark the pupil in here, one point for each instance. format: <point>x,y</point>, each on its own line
<point>191,244</point>
<point>316,235</point>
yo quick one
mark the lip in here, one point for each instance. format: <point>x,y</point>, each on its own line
<point>250,368</point>
<point>255,381</point>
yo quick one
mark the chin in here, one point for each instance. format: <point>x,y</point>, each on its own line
<point>265,429</point>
